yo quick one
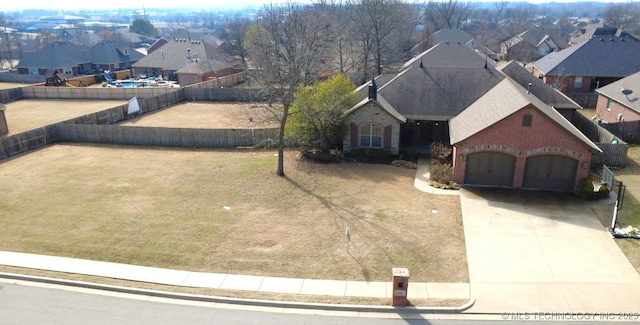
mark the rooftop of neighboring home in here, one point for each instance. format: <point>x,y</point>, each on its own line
<point>56,55</point>
<point>110,52</point>
<point>625,91</point>
<point>604,55</point>
<point>175,54</point>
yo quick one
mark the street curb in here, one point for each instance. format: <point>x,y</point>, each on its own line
<point>240,301</point>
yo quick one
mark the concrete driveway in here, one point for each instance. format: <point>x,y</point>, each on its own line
<point>543,252</point>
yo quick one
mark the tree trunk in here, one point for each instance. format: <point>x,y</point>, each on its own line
<point>283,122</point>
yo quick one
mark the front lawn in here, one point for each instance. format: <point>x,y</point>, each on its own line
<point>227,212</point>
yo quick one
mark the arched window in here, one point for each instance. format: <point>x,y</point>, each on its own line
<point>371,136</point>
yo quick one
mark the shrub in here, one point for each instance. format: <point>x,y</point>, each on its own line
<point>440,153</point>
<point>587,189</point>
<point>405,164</point>
<point>371,155</point>
<point>441,173</point>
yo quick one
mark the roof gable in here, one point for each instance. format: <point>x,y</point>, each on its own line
<point>625,91</point>
<point>380,103</point>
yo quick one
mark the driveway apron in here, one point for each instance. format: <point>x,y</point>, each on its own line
<point>543,252</point>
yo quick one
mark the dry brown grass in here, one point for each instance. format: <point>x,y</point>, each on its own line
<point>630,213</point>
<point>11,85</point>
<point>29,114</point>
<point>209,116</point>
<point>164,208</point>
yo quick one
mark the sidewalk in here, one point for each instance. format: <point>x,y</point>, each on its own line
<point>231,281</point>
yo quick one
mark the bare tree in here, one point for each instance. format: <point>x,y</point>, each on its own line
<point>234,33</point>
<point>285,45</point>
<point>381,28</point>
<point>622,15</point>
<point>449,14</point>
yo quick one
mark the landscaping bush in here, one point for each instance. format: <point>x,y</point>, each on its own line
<point>587,190</point>
<point>405,164</point>
<point>441,176</point>
<point>441,173</point>
<point>371,155</point>
<point>440,153</point>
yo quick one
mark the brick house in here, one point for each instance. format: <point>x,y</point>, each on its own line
<point>505,125</point>
<point>618,101</point>
<point>187,61</point>
<point>510,138</point>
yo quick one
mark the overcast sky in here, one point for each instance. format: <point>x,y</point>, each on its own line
<point>138,4</point>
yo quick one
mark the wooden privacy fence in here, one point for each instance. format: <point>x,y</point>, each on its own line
<point>10,95</point>
<point>21,78</point>
<point>627,131</point>
<point>225,94</point>
<point>95,93</point>
<point>173,137</point>
<point>25,141</point>
<point>217,82</point>
<point>614,150</point>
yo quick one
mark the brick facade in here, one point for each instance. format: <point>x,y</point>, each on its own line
<point>373,114</point>
<point>609,111</point>
<point>543,137</point>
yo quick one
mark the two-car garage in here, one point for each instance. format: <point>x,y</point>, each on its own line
<point>497,169</point>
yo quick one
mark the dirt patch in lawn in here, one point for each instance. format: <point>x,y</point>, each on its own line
<point>209,116</point>
<point>29,114</point>
<point>227,212</point>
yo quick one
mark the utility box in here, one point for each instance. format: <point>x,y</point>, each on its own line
<point>400,286</point>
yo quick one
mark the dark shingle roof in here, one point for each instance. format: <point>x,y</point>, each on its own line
<point>437,93</point>
<point>450,55</point>
<point>57,55</point>
<point>111,52</point>
<point>538,88</point>
<point>631,85</point>
<point>599,56</point>
<point>451,35</point>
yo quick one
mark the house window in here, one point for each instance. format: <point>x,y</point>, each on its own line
<point>526,120</point>
<point>609,104</point>
<point>371,136</point>
<point>577,83</point>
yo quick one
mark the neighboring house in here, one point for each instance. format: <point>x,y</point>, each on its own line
<point>504,131</point>
<point>591,64</point>
<point>68,58</point>
<point>113,56</point>
<point>619,101</point>
<point>531,45</point>
<point>194,59</point>
<point>72,59</point>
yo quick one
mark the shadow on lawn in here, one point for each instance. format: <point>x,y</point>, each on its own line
<point>371,234</point>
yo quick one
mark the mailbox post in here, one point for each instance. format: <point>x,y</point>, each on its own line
<point>400,286</point>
